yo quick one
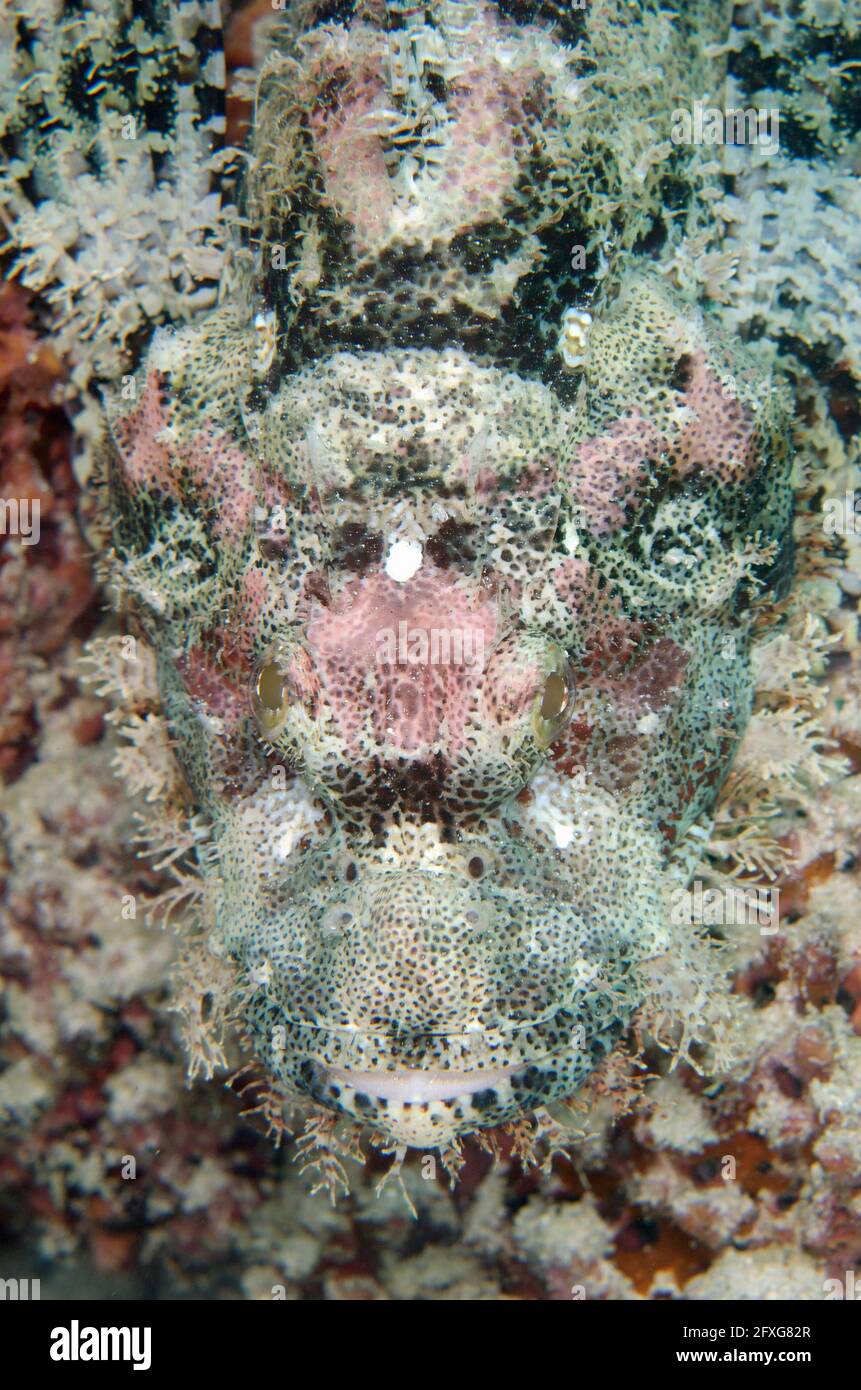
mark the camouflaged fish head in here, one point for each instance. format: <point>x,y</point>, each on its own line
<point>450,553</point>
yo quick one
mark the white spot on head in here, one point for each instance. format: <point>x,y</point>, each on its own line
<point>403,560</point>
<point>563,834</point>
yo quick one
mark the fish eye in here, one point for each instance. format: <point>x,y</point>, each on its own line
<point>554,703</point>
<point>270,687</point>
<point>554,700</point>
<point>476,866</point>
<point>270,698</point>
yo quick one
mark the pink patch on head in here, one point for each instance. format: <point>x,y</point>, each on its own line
<point>154,457</point>
<point>211,690</point>
<point>609,638</point>
<point>220,473</point>
<point>608,471</point>
<point>351,152</point>
<point>145,448</point>
<point>482,151</point>
<point>478,157</point>
<point>719,435</point>
<point>574,582</point>
<point>407,659</point>
<point>653,682</point>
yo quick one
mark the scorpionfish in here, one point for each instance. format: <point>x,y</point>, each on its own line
<point>448,523</point>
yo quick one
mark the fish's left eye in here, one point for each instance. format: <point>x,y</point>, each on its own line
<point>554,701</point>
<point>270,698</point>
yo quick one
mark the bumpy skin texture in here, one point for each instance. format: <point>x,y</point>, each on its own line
<point>416,941</point>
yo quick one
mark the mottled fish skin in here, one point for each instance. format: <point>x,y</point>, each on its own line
<point>450,550</point>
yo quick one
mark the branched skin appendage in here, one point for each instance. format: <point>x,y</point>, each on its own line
<point>451,587</point>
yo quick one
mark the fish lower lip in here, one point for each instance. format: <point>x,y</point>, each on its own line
<point>419,1087</point>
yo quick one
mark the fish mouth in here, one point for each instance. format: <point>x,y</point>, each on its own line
<point>415,1087</point>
